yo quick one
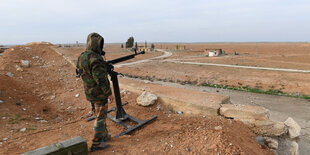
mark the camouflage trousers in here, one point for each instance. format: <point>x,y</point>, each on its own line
<point>100,127</point>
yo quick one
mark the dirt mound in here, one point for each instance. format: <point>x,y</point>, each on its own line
<point>38,95</point>
<point>48,101</point>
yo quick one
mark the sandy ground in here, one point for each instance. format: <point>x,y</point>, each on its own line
<point>48,101</point>
<point>274,55</point>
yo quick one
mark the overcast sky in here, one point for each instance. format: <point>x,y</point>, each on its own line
<point>68,21</point>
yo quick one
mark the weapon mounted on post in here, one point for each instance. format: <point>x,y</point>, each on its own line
<point>114,61</point>
<point>121,115</point>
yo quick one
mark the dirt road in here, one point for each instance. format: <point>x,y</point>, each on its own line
<point>237,66</point>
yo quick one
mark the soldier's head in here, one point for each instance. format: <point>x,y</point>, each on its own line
<point>95,43</point>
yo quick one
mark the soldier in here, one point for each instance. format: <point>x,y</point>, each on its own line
<point>92,68</point>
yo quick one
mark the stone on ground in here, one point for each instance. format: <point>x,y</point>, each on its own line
<point>255,117</point>
<point>293,128</point>
<point>9,74</point>
<point>265,127</point>
<point>272,143</point>
<point>25,63</point>
<point>260,140</point>
<point>294,148</point>
<point>238,111</point>
<point>146,99</point>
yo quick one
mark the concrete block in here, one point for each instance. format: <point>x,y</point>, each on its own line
<point>238,111</point>
<point>179,99</point>
<point>272,143</point>
<point>265,127</point>
<point>293,128</point>
<point>76,146</point>
<point>294,148</point>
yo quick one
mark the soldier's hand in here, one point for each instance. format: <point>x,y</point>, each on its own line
<point>111,98</point>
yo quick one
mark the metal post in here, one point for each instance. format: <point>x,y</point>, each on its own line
<point>120,112</point>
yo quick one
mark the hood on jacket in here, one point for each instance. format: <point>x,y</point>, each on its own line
<point>95,43</point>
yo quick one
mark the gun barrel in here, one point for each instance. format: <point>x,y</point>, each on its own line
<point>114,61</point>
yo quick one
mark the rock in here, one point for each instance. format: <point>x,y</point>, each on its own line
<point>22,130</point>
<point>146,81</point>
<point>179,112</point>
<point>255,117</point>
<point>124,91</point>
<point>18,68</point>
<point>37,118</point>
<point>25,63</point>
<point>5,139</point>
<point>9,74</point>
<point>146,99</point>
<point>265,127</point>
<point>294,148</point>
<point>269,128</point>
<point>24,109</point>
<point>218,128</point>
<point>244,112</point>
<point>53,97</point>
<point>35,57</point>
<point>293,128</point>
<point>260,140</point>
<point>271,143</point>
<point>1,102</point>
<point>77,95</point>
<point>43,121</point>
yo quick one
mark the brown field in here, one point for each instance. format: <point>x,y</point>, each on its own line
<point>46,90</point>
<point>42,99</point>
<point>273,55</point>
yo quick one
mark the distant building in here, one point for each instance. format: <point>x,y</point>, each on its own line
<point>144,49</point>
<point>213,52</point>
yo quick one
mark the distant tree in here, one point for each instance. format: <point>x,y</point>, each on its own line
<point>129,43</point>
<point>122,46</point>
<point>136,45</point>
<point>145,44</point>
<point>152,47</point>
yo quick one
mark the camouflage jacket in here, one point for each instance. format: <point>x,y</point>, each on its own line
<point>93,70</point>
